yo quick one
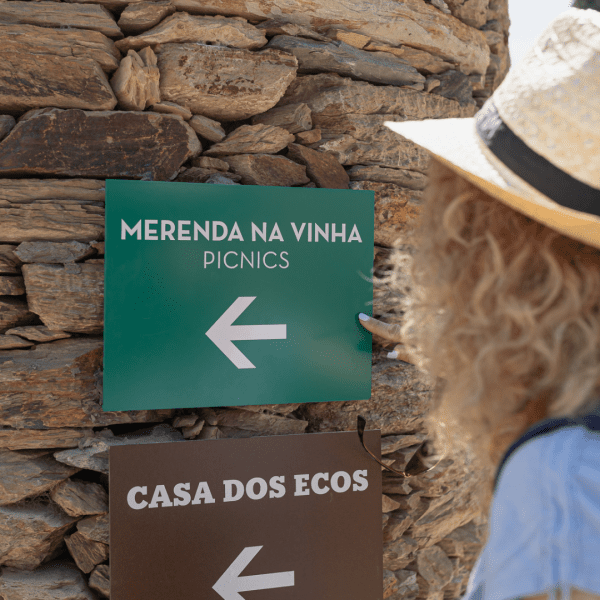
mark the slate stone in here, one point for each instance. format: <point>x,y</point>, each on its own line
<point>252,139</point>
<point>266,169</point>
<point>202,77</point>
<point>184,28</point>
<point>54,252</point>
<point>7,122</point>
<point>455,86</point>
<point>100,580</point>
<point>98,144</point>
<point>9,262</point>
<point>29,473</point>
<point>30,533</point>
<point>85,552</point>
<point>141,16</point>
<point>60,580</point>
<point>323,169</point>
<point>35,439</point>
<point>339,57</point>
<point>413,180</point>
<point>80,498</point>
<point>11,286</point>
<point>14,312</point>
<point>68,298</point>
<point>58,385</point>
<point>10,342</point>
<point>293,117</point>
<point>207,128</point>
<point>95,528</point>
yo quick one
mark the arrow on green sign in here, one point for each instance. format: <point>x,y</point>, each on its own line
<point>223,332</point>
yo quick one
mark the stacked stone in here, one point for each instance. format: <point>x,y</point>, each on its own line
<point>272,92</point>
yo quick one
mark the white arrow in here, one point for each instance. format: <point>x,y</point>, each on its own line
<point>223,331</point>
<point>230,584</point>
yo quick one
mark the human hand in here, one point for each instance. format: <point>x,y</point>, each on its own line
<point>387,331</point>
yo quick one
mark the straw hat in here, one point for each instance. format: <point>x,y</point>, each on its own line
<point>535,144</point>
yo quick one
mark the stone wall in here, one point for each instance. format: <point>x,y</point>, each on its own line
<point>233,92</point>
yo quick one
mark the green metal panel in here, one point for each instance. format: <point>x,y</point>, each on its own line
<point>167,285</point>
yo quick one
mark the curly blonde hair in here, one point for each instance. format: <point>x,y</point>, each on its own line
<point>505,311</point>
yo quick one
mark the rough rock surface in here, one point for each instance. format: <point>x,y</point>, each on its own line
<point>30,533</point>
<point>200,77</point>
<point>35,439</point>
<point>55,581</point>
<point>293,117</point>
<point>14,312</point>
<point>412,180</point>
<point>182,28</point>
<point>98,144</point>
<point>141,16</point>
<point>67,298</point>
<point>415,23</point>
<point>252,139</point>
<point>11,286</point>
<point>207,128</point>
<point>135,82</point>
<point>54,252</point>
<point>58,385</point>
<point>424,62</point>
<point>29,473</point>
<point>56,14</point>
<point>265,169</point>
<point>100,580</point>
<point>10,342</point>
<point>339,57</point>
<point>86,553</point>
<point>95,528</point>
<point>80,498</point>
<point>323,169</point>
<point>6,124</point>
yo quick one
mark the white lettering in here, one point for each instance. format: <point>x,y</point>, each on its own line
<point>150,234</point>
<point>215,235</point>
<point>229,485</point>
<point>225,260</point>
<point>314,484</point>
<point>301,484</point>
<point>137,229</point>
<point>340,235</point>
<point>251,263</point>
<point>212,258</point>
<point>203,493</point>
<point>335,482</point>
<point>183,497</point>
<point>133,503</point>
<point>354,235</point>
<point>276,234</point>
<point>297,233</point>
<point>265,260</point>
<point>183,234</point>
<point>262,488</point>
<point>287,263</point>
<point>360,477</point>
<point>160,497</point>
<point>277,488</point>
<point>204,232</point>
<point>324,234</point>
<point>167,228</point>
<point>262,233</point>
<point>236,234</point>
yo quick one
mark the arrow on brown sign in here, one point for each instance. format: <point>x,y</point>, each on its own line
<point>230,584</point>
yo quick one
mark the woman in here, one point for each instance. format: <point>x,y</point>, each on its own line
<point>506,308</point>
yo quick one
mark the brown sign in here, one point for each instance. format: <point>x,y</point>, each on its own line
<point>271,518</point>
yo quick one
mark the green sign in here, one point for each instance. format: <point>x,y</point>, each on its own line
<point>221,295</point>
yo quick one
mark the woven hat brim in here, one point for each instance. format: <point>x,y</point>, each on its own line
<point>455,143</point>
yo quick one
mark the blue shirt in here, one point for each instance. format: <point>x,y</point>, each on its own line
<point>544,521</point>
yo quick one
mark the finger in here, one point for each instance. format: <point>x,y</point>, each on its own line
<point>387,331</point>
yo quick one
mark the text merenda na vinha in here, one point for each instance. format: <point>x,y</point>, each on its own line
<point>257,488</point>
<point>164,230</point>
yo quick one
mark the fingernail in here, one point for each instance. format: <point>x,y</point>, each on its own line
<point>392,354</point>
<point>364,317</point>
